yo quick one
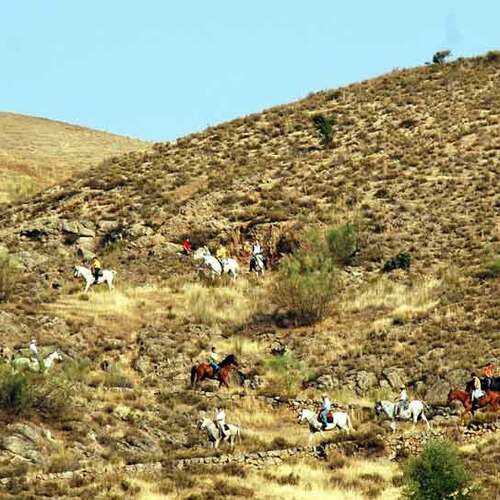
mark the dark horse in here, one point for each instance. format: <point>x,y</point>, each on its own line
<point>490,398</point>
<point>205,370</point>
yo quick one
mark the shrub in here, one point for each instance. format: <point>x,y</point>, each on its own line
<point>324,127</point>
<point>342,243</point>
<point>401,261</point>
<point>436,474</point>
<point>491,270</point>
<point>16,396</point>
<point>440,56</point>
<point>8,272</point>
<point>285,376</point>
<point>306,281</point>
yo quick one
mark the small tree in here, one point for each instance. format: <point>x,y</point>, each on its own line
<point>16,396</point>
<point>438,473</point>
<point>306,281</point>
<point>324,127</point>
<point>342,243</point>
<point>440,56</point>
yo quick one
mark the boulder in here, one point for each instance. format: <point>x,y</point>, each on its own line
<point>437,392</point>
<point>121,411</point>
<point>366,380</point>
<point>395,376</point>
<point>78,229</point>
<point>24,441</point>
<point>325,382</point>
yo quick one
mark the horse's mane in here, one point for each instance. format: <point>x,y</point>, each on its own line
<point>229,360</point>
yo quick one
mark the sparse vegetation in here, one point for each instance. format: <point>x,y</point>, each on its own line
<point>343,243</point>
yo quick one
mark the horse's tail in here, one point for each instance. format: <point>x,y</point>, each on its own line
<point>194,376</point>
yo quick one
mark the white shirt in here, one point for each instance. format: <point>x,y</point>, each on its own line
<point>256,249</point>
<point>214,357</point>
<point>220,417</point>
<point>33,348</point>
<point>403,396</point>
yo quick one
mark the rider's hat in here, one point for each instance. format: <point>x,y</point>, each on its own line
<point>324,395</point>
<point>403,386</point>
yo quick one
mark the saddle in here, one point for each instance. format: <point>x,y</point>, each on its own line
<point>329,416</point>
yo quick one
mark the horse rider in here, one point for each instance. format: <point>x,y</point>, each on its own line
<point>402,401</point>
<point>95,267</point>
<point>221,253</point>
<point>326,406</point>
<point>220,421</point>
<point>473,387</point>
<point>213,359</point>
<point>186,246</point>
<point>488,376</point>
<point>34,349</point>
<point>257,251</point>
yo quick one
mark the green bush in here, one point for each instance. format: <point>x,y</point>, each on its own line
<point>441,56</point>
<point>324,127</point>
<point>342,243</point>
<point>438,473</point>
<point>401,261</point>
<point>26,393</point>
<point>16,395</point>
<point>8,273</point>
<point>306,282</point>
<point>491,270</point>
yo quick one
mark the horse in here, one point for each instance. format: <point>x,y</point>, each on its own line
<point>414,411</point>
<point>35,365</point>
<point>218,268</point>
<point>491,398</point>
<point>205,370</point>
<point>214,435</point>
<point>339,419</point>
<point>107,277</point>
<point>257,264</point>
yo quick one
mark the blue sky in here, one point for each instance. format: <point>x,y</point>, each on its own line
<point>158,69</point>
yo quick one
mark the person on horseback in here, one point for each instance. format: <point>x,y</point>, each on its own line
<point>95,267</point>
<point>213,359</point>
<point>257,253</point>
<point>488,376</point>
<point>221,253</point>
<point>326,406</point>
<point>402,401</point>
<point>34,349</point>
<point>475,391</point>
<point>220,421</point>
<point>186,247</point>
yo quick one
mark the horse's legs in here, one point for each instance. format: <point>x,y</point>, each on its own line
<point>87,286</point>
<point>424,418</point>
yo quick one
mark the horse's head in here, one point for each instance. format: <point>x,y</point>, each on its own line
<point>452,395</point>
<point>303,415</point>
<point>76,272</point>
<point>57,356</point>
<point>379,408</point>
<point>202,423</point>
<point>229,360</point>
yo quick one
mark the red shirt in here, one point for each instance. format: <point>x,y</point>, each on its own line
<point>186,245</point>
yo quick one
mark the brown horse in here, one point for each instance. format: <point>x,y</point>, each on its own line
<point>205,370</point>
<point>490,398</point>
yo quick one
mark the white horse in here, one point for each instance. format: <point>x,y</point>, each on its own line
<point>34,365</point>
<point>414,411</point>
<point>257,264</point>
<point>214,435</point>
<point>340,419</point>
<point>107,276</point>
<point>229,265</point>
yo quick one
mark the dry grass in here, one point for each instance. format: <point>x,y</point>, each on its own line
<point>399,300</point>
<point>233,304</point>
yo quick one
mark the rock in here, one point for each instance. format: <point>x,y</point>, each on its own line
<point>78,229</point>
<point>325,382</point>
<point>366,380</point>
<point>395,376</point>
<point>437,392</point>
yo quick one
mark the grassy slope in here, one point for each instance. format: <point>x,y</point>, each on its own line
<point>36,152</point>
<point>415,155</point>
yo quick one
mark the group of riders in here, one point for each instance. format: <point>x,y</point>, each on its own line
<point>254,250</point>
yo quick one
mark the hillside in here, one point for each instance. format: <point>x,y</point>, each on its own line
<point>414,163</point>
<point>36,152</point>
